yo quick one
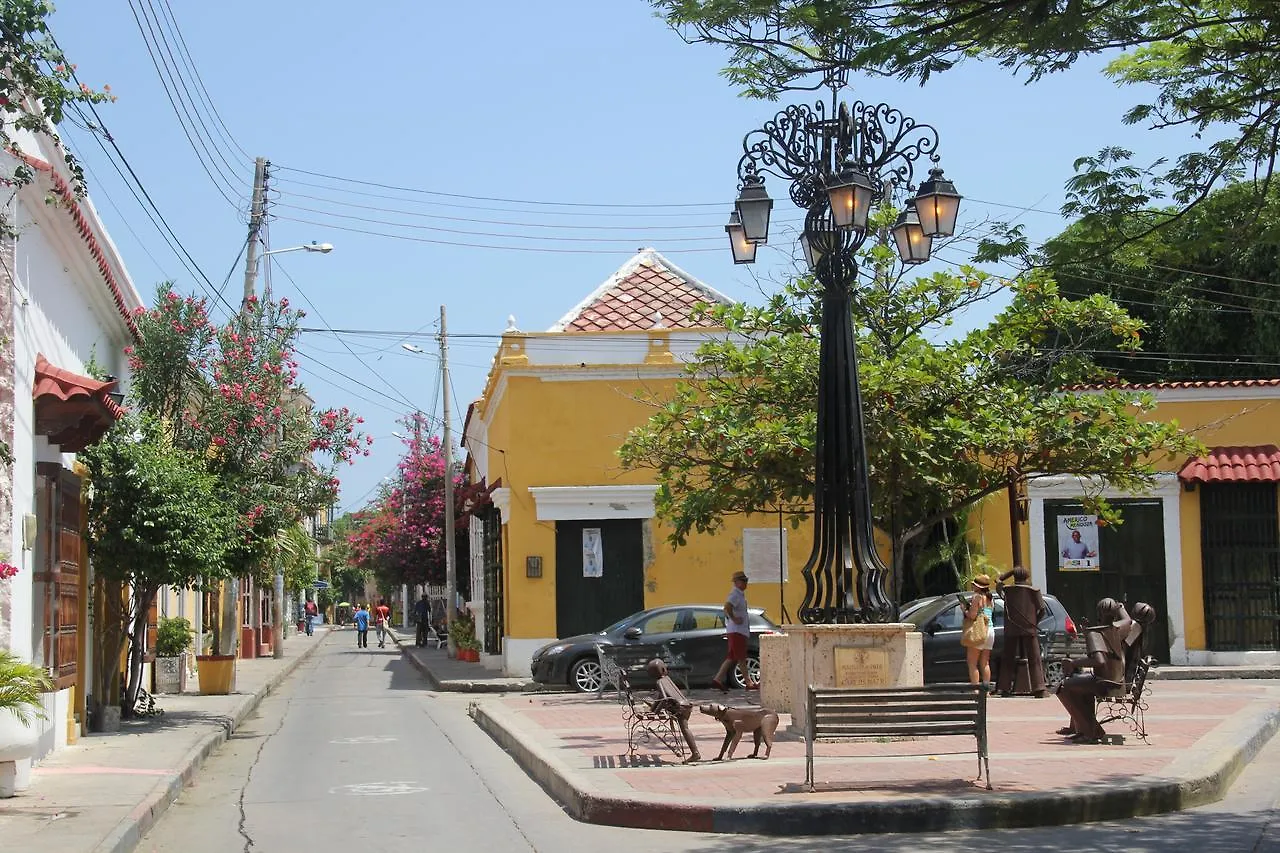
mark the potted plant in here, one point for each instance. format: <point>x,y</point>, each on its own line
<point>21,684</point>
<point>173,639</point>
<point>462,631</point>
<point>217,673</point>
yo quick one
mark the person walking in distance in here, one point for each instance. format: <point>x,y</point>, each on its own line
<point>422,615</point>
<point>309,611</point>
<point>738,625</point>
<point>361,618</point>
<point>381,619</point>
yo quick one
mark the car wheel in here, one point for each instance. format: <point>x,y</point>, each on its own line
<point>584,676</point>
<point>1053,674</point>
<point>753,667</point>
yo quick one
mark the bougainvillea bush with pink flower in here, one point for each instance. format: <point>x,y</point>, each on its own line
<point>7,570</point>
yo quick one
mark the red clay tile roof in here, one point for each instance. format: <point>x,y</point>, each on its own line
<point>1234,465</point>
<point>1165,386</point>
<point>72,411</point>
<point>647,292</point>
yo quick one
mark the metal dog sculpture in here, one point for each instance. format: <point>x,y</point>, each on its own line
<point>761,722</point>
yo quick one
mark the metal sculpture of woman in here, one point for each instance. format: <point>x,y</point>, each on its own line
<point>840,161</point>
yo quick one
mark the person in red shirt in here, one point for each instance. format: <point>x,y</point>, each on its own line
<point>381,620</point>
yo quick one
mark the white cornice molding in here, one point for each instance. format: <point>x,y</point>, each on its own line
<point>502,500</point>
<point>587,503</point>
<point>1068,486</point>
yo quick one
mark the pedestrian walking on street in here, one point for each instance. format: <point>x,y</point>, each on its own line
<point>738,626</point>
<point>361,618</point>
<point>1024,607</point>
<point>422,615</point>
<point>381,620</point>
<point>309,612</point>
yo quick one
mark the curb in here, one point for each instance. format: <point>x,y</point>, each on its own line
<point>127,834</point>
<point>1192,788</point>
<point>458,685</point>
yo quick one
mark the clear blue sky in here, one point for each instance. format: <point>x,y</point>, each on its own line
<point>577,102</point>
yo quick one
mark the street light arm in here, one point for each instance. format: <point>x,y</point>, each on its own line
<point>322,248</point>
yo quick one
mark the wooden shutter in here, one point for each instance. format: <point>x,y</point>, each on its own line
<point>59,572</point>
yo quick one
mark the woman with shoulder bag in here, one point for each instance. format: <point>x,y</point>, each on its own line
<point>979,633</point>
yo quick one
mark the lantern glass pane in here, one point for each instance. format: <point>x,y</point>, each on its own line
<point>744,251</point>
<point>812,254</point>
<point>754,213</point>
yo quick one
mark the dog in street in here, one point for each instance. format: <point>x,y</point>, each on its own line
<point>761,722</point>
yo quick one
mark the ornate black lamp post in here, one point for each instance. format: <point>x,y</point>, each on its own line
<point>840,162</point>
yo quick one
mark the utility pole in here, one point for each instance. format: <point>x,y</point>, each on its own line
<point>450,569</point>
<point>230,633</point>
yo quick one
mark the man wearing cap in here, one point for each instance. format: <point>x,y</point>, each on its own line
<point>739,629</point>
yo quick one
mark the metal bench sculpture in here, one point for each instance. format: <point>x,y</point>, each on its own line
<point>618,661</point>
<point>663,719</point>
<point>897,712</point>
<point>1131,707</point>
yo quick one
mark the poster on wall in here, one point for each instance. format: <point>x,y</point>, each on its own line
<point>1078,543</point>
<point>592,553</point>
<point>764,554</point>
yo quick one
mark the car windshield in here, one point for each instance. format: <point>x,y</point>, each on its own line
<point>619,625</point>
<point>946,610</point>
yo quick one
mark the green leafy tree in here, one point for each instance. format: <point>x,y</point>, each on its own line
<point>1207,70</point>
<point>37,86</point>
<point>156,517</point>
<point>338,565</point>
<point>947,424</point>
<point>1208,296</point>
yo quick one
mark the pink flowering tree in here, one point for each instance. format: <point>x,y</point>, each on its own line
<point>231,393</point>
<point>401,536</point>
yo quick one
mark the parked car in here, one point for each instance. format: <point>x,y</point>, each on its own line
<point>941,618</point>
<point>695,634</point>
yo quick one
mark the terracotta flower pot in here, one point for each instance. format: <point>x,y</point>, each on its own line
<point>217,674</point>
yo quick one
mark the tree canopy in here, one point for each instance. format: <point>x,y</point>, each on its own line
<point>1206,287</point>
<point>947,423</point>
<point>1209,68</point>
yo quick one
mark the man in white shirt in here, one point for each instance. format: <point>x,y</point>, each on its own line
<point>738,623</point>
<point>1077,549</point>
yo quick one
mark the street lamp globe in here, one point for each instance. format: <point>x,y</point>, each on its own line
<point>744,251</point>
<point>754,206</point>
<point>937,205</point>
<point>914,245</point>
<point>851,195</point>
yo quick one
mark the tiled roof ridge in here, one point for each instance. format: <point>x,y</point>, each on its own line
<point>54,381</point>
<point>645,257</point>
<point>68,197</point>
<point>1177,385</point>
<point>1234,464</point>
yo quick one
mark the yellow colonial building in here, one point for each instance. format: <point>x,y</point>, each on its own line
<point>1203,547</point>
<point>572,544</point>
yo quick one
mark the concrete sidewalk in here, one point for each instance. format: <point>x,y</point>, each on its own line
<point>455,676</point>
<point>1202,733</point>
<point>103,793</point>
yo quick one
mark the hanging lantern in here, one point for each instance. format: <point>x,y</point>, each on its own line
<point>937,205</point>
<point>744,251</point>
<point>754,206</point>
<point>851,195</point>
<point>913,245</point>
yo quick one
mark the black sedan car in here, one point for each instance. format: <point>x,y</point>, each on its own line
<point>695,634</point>
<point>940,620</point>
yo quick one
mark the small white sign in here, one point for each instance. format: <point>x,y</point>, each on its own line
<point>764,554</point>
<point>592,553</point>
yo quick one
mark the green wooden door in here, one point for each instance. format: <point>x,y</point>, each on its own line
<point>584,603</point>
<point>1132,566</point>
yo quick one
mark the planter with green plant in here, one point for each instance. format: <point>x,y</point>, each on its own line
<point>173,639</point>
<point>21,686</point>
<point>462,632</point>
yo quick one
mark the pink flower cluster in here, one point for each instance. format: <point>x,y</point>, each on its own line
<point>7,570</point>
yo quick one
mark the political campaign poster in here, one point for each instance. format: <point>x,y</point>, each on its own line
<point>1078,543</point>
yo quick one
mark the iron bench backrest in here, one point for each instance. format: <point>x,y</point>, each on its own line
<point>905,712</point>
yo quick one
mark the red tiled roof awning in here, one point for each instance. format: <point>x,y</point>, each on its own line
<point>1234,465</point>
<point>72,411</point>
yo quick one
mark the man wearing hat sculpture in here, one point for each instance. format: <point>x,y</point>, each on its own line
<point>739,629</point>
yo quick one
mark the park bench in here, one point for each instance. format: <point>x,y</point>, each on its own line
<point>649,720</point>
<point>1056,647</point>
<point>935,710</point>
<point>631,658</point>
<point>1129,706</point>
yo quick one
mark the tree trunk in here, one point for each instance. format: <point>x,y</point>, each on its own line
<point>112,624</point>
<point>142,601</point>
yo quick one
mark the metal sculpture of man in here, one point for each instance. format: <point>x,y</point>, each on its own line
<point>1105,647</point>
<point>668,694</point>
<point>841,160</point>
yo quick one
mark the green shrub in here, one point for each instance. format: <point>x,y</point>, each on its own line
<point>21,684</point>
<point>173,637</point>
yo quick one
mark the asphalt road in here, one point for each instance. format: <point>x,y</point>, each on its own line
<point>354,753</point>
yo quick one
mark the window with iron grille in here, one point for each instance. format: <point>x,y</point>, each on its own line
<point>1240,549</point>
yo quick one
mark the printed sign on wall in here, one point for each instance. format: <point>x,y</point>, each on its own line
<point>1078,543</point>
<point>592,553</point>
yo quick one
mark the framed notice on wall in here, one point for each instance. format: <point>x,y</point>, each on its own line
<point>1078,543</point>
<point>764,554</point>
<point>592,553</point>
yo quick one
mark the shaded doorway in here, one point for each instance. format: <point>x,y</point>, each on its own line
<point>592,597</point>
